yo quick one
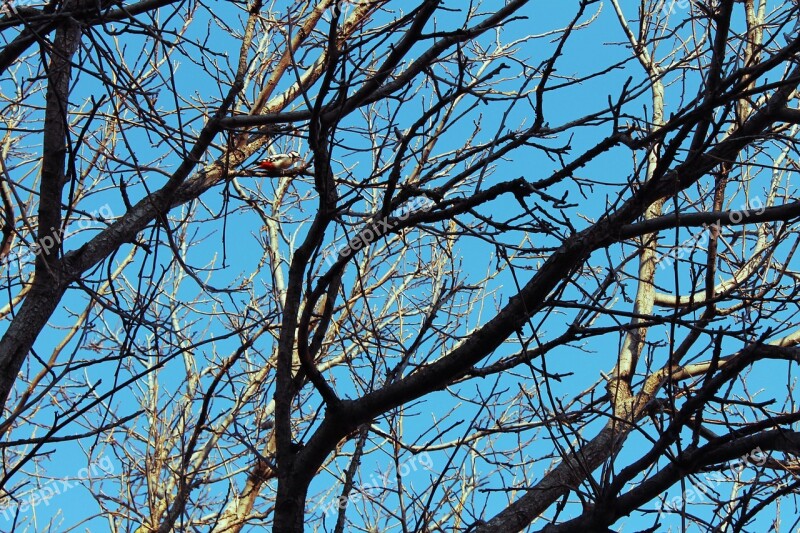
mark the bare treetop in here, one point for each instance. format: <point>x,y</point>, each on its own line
<point>384,265</point>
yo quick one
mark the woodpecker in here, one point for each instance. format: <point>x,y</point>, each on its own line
<point>279,161</point>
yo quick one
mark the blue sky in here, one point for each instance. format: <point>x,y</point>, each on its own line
<point>231,247</point>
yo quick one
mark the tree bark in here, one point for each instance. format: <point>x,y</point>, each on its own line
<point>49,284</point>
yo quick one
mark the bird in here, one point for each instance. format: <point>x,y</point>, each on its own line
<point>279,161</point>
